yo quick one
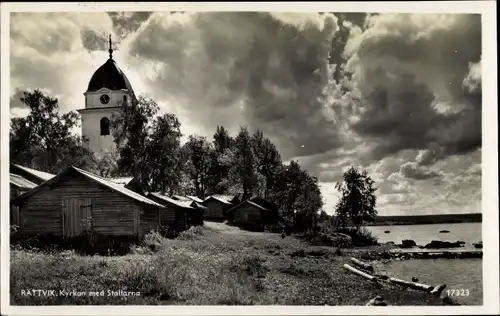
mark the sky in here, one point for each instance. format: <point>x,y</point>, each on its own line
<point>398,95</point>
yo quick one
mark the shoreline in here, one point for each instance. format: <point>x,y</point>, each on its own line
<point>393,252</point>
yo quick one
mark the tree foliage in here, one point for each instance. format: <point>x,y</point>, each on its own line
<point>196,154</point>
<point>44,139</point>
<point>149,146</point>
<point>358,199</point>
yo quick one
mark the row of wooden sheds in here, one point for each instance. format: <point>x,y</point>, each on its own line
<point>76,200</point>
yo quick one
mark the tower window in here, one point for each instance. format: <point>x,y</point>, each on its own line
<point>104,126</point>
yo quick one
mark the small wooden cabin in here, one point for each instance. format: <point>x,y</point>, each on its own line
<point>218,206</point>
<point>18,186</point>
<point>131,183</point>
<point>76,201</point>
<point>254,214</point>
<point>197,213</point>
<point>195,199</point>
<point>32,175</point>
<point>180,208</point>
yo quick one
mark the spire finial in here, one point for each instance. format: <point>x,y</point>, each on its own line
<point>110,48</point>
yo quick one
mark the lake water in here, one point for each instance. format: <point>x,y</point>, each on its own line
<point>463,275</point>
<point>424,234</point>
<point>457,274</point>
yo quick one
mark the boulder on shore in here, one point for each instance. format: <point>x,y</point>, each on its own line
<point>408,243</point>
<point>435,244</point>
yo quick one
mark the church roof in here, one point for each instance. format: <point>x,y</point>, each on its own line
<point>109,76</point>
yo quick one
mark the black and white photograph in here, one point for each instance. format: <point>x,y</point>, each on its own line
<point>209,155</point>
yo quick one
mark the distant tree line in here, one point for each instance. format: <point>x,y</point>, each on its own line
<point>149,147</point>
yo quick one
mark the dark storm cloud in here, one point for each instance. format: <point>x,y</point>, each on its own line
<point>263,70</point>
<point>125,23</point>
<point>408,66</point>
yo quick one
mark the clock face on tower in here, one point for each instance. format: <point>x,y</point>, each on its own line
<point>104,99</point>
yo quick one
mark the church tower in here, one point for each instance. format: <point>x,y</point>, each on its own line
<point>108,90</point>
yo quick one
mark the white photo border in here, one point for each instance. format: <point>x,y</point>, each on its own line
<point>490,206</point>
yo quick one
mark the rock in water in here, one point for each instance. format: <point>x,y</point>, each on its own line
<point>444,231</point>
<point>478,245</point>
<point>436,244</point>
<point>414,279</point>
<point>387,231</point>
<point>408,243</point>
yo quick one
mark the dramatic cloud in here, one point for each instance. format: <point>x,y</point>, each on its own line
<point>263,70</point>
<point>51,51</point>
<point>398,95</point>
<point>416,78</point>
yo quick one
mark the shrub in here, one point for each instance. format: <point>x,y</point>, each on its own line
<point>168,232</point>
<point>332,240</point>
<point>154,241</point>
<point>360,238</point>
<point>192,233</point>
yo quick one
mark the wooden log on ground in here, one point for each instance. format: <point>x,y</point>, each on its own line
<point>377,301</point>
<point>438,289</point>
<point>362,264</point>
<point>414,285</point>
<point>359,272</point>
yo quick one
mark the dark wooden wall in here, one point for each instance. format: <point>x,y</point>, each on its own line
<point>247,214</point>
<point>111,213</point>
<point>215,210</point>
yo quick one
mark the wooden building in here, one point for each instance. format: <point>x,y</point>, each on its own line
<point>18,185</point>
<point>195,215</point>
<point>182,209</point>
<point>254,214</point>
<point>131,183</point>
<point>32,175</point>
<point>77,201</point>
<point>218,206</point>
<point>195,199</point>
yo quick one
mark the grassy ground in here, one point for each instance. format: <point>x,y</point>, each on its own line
<point>216,264</point>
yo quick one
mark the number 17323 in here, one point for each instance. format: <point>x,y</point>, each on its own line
<point>458,292</point>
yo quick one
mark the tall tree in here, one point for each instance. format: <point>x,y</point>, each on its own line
<point>358,198</point>
<point>131,128</point>
<point>308,204</point>
<point>268,163</point>
<point>163,155</point>
<point>196,154</point>
<point>299,197</point>
<point>44,140</point>
<point>288,188</point>
<point>245,162</point>
<point>221,160</point>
